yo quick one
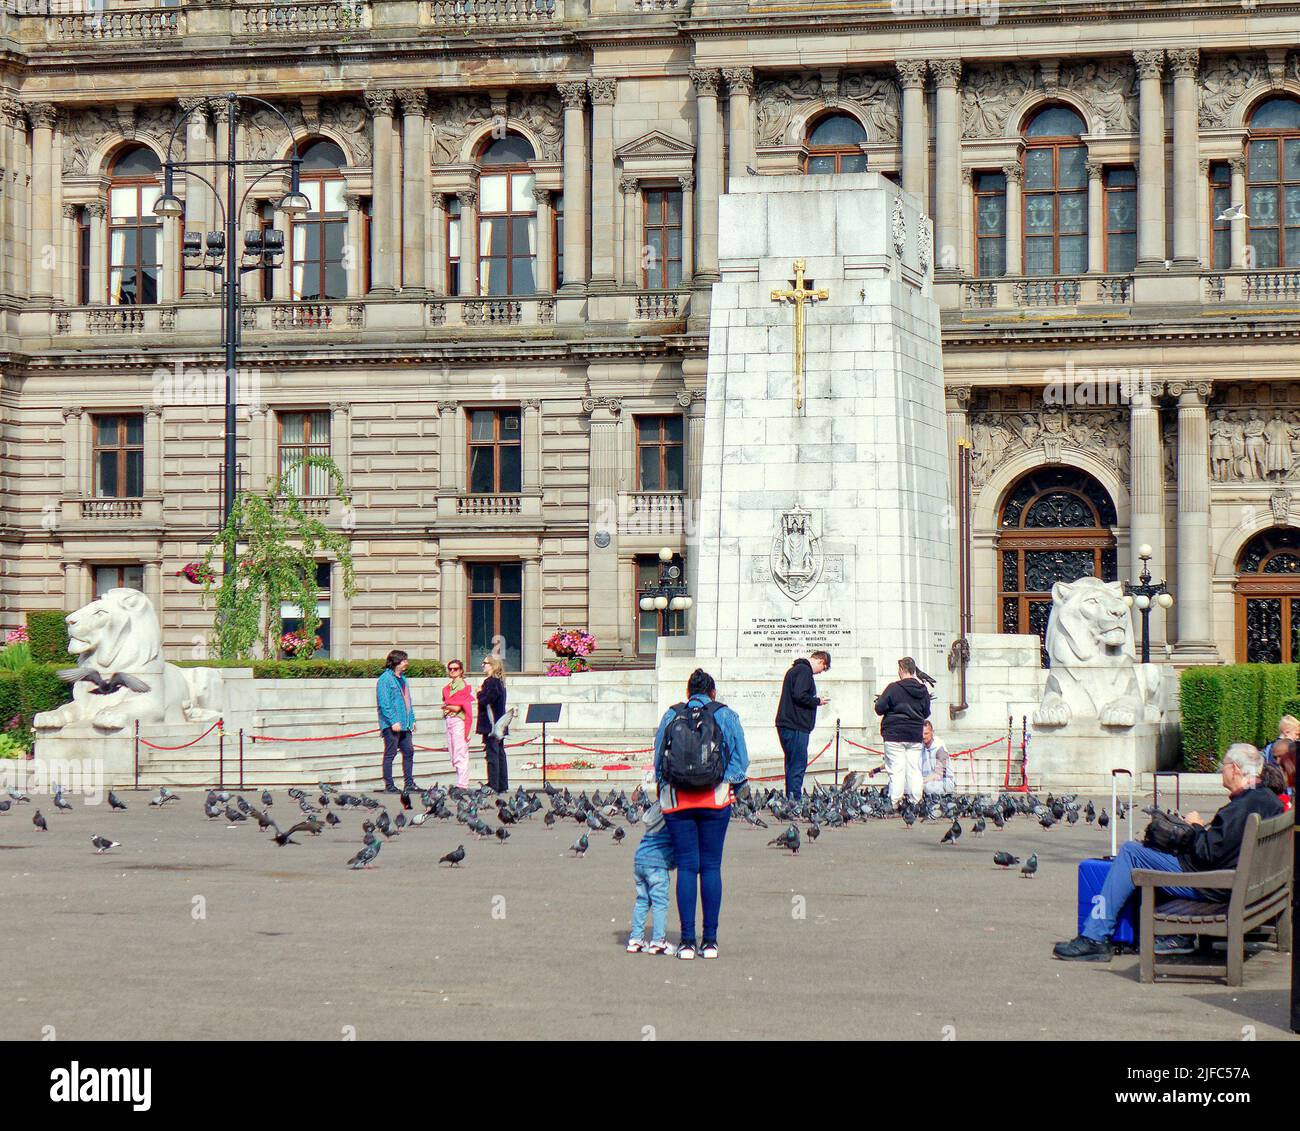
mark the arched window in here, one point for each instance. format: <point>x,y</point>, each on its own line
<point>1055,194</point>
<point>1273,183</point>
<point>134,232</point>
<point>835,145</point>
<point>1268,598</point>
<point>507,223</point>
<point>319,235</point>
<point>1056,525</point>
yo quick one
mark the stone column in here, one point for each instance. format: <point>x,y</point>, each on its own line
<point>1237,227</point>
<point>911,75</point>
<point>1146,487</point>
<point>1185,63</point>
<point>73,476</point>
<point>261,444</point>
<point>545,253</point>
<point>966,208</point>
<point>468,241</point>
<point>631,273</point>
<point>1151,159</point>
<point>1096,218</point>
<point>603,599</point>
<point>16,179</point>
<point>438,243</point>
<point>8,164</point>
<point>68,235</point>
<point>341,438</point>
<point>603,91</point>
<point>44,116</point>
<point>451,634</point>
<point>1015,174</point>
<point>97,218</point>
<point>693,402</point>
<point>153,584</point>
<point>153,450</point>
<point>1204,221</point>
<point>1193,592</point>
<point>574,96</point>
<point>707,175</point>
<point>947,140</point>
<point>352,266</point>
<point>957,408</point>
<point>688,227</point>
<point>415,176</point>
<point>198,198</point>
<point>532,613</point>
<point>531,439</point>
<point>451,445</point>
<point>740,138</point>
<point>73,573</point>
<point>383,222</point>
<point>340,615</point>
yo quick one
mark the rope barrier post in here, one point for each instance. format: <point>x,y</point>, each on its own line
<point>1024,752</point>
<point>221,755</point>
<point>241,757</point>
<point>137,753</point>
<point>1006,776</point>
<point>543,755</point>
<point>837,753</point>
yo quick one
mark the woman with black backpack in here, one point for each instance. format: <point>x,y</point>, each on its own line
<point>700,756</point>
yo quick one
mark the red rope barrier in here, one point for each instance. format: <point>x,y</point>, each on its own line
<point>320,738</point>
<point>598,750</point>
<point>781,777</point>
<point>184,745</point>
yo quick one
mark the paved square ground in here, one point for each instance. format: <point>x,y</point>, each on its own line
<point>901,937</point>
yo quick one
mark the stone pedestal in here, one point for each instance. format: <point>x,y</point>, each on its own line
<point>826,525</point>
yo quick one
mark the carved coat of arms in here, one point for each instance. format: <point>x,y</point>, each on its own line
<point>796,557</point>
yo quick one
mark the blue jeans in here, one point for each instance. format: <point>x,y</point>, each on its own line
<point>698,836</point>
<point>651,895</point>
<point>794,743</point>
<point>393,742</point>
<point>1118,887</point>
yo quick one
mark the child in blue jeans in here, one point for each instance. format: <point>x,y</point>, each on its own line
<point>650,867</point>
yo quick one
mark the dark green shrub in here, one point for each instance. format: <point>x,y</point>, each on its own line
<point>1279,687</point>
<point>341,669</point>
<point>1200,691</point>
<point>29,691</point>
<point>47,630</point>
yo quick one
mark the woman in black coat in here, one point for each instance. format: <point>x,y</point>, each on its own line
<point>492,698</point>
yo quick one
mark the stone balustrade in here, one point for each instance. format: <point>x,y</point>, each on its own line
<point>489,13</point>
<point>659,306</point>
<point>155,23</point>
<point>489,504</point>
<point>112,509</point>
<point>651,513</point>
<point>300,19</point>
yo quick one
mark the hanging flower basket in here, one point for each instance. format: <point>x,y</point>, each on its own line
<point>295,643</point>
<point>196,573</point>
<point>572,646</point>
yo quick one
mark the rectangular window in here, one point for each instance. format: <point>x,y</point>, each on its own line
<point>496,612</point>
<point>660,453</point>
<point>507,234</point>
<point>1121,219</point>
<point>990,224</point>
<point>291,615</point>
<point>303,435</point>
<point>495,452</point>
<point>557,241</point>
<point>83,258</point>
<point>119,456</point>
<point>662,238</point>
<point>1220,202</point>
<point>453,245</point>
<point>118,577</point>
<point>654,623</point>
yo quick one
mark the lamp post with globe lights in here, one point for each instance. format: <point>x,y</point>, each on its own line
<point>1143,594</point>
<point>669,592</point>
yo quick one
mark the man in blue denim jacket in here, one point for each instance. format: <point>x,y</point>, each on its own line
<point>396,720</point>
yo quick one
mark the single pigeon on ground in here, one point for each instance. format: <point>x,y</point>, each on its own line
<point>579,847</point>
<point>114,802</point>
<point>61,803</point>
<point>1103,822</point>
<point>454,857</point>
<point>266,798</point>
<point>619,834</point>
<point>39,821</point>
<point>19,795</point>
<point>1030,866</point>
<point>788,839</point>
<point>502,834</point>
<point>366,856</point>
<point>954,831</point>
<point>1005,859</point>
<point>5,805</point>
<point>103,844</point>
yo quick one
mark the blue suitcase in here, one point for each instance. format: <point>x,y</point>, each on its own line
<point>1092,873</point>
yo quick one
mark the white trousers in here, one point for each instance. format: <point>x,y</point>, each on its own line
<point>903,764</point>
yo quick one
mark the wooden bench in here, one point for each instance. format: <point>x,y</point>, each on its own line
<point>1258,891</point>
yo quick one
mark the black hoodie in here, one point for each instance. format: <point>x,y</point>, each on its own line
<point>904,706</point>
<point>799,702</point>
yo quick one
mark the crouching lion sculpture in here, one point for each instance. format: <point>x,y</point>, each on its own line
<point>1090,648</point>
<point>120,675</point>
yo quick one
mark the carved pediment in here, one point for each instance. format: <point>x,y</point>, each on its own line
<point>656,144</point>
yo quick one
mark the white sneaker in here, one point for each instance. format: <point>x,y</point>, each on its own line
<point>660,946</point>
<point>686,952</point>
<point>634,946</point>
<point>709,950</point>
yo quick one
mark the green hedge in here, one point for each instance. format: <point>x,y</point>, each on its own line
<point>29,691</point>
<point>341,669</point>
<point>47,630</point>
<point>1233,703</point>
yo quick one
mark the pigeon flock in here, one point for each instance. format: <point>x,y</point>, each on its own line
<point>616,813</point>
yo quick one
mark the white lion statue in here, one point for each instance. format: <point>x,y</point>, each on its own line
<point>1093,671</point>
<point>120,674</point>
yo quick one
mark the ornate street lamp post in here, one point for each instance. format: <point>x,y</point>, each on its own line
<point>1144,593</point>
<point>669,592</point>
<point>217,251</point>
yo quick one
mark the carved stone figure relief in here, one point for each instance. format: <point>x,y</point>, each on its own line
<point>1254,445</point>
<point>1224,82</point>
<point>540,111</point>
<point>452,120</point>
<point>996,435</point>
<point>873,94</point>
<point>990,93</point>
<point>1109,87</point>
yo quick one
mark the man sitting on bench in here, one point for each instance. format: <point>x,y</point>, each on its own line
<point>1211,847</point>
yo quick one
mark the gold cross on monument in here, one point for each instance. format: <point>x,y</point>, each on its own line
<point>797,297</point>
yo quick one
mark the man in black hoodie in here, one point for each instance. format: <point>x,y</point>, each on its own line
<point>796,716</point>
<point>903,708</point>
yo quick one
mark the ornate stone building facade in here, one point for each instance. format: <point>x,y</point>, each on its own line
<point>495,317</point>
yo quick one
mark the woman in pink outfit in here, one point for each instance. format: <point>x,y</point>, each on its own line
<point>457,706</point>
